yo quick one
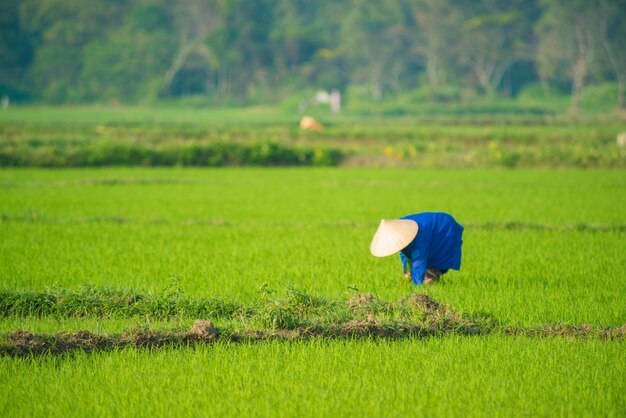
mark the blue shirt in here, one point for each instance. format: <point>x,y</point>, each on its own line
<point>437,245</point>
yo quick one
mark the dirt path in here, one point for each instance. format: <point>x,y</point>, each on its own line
<point>427,318</point>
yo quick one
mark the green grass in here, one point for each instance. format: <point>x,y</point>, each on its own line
<point>225,233</point>
<point>84,136</point>
<point>295,316</point>
<point>454,376</point>
<point>541,248</point>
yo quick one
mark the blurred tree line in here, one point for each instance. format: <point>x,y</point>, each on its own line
<point>245,51</point>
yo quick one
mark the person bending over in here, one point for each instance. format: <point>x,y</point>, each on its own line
<point>429,244</point>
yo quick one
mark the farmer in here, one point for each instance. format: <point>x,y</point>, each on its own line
<point>428,242</point>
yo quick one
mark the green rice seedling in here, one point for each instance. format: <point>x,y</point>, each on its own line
<point>298,315</point>
<point>527,260</point>
<point>531,323</point>
<point>109,270</point>
<point>448,376</point>
<point>297,309</point>
<point>112,303</point>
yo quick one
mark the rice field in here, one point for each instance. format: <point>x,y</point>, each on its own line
<point>532,325</point>
<point>449,376</point>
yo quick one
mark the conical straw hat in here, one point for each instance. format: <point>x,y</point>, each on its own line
<point>392,236</point>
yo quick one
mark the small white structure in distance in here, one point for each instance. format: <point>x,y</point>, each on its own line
<point>332,98</point>
<point>335,101</point>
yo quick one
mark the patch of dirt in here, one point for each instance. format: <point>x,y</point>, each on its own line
<point>362,323</point>
<point>422,301</point>
<point>20,337</point>
<point>360,327</point>
<point>280,335</point>
<point>22,343</point>
<point>361,300</point>
<point>582,331</point>
<point>142,339</point>
<point>203,328</point>
<point>620,332</point>
<point>371,318</point>
<point>81,339</point>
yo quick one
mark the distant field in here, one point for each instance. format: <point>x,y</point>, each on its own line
<point>542,248</point>
<point>83,136</point>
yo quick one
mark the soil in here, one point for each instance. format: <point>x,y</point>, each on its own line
<point>361,300</point>
<point>439,319</point>
<point>361,324</point>
<point>203,328</point>
<point>422,301</point>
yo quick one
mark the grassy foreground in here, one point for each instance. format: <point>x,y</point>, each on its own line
<point>452,376</point>
<point>542,248</point>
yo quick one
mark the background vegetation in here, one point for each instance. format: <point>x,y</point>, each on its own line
<point>406,52</point>
<point>258,136</point>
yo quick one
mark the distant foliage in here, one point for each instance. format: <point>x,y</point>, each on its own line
<point>197,154</point>
<point>241,51</point>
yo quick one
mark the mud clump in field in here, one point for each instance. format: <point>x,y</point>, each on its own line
<point>362,302</point>
<point>80,338</point>
<point>203,328</point>
<point>422,301</point>
<point>20,337</point>
<point>20,343</point>
<point>141,338</point>
<point>361,323</point>
<point>361,327</point>
<point>361,299</point>
<point>23,342</point>
<point>621,331</point>
<point>442,318</point>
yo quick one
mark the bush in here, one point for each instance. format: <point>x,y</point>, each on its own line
<point>182,153</point>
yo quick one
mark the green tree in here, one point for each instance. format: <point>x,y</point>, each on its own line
<point>60,30</point>
<point>435,39</point>
<point>130,63</point>
<point>611,35</point>
<point>569,41</point>
<point>15,49</point>
<point>193,21</point>
<point>495,35</point>
<point>374,42</point>
<point>246,53</point>
<point>306,43</point>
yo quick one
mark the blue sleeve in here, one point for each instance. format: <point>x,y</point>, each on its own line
<point>405,262</point>
<point>418,269</point>
<point>419,256</point>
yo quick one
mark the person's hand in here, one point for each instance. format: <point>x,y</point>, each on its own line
<point>406,278</point>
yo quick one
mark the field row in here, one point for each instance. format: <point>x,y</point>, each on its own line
<point>448,376</point>
<point>34,138</point>
<point>297,316</point>
<point>320,195</point>
<point>540,246</point>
